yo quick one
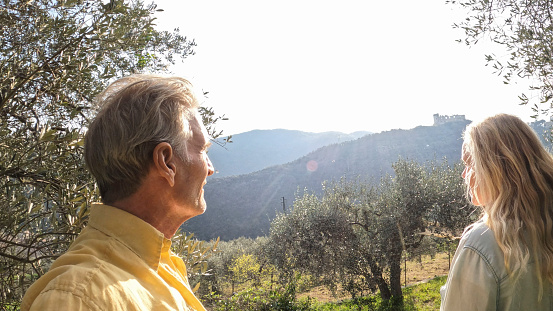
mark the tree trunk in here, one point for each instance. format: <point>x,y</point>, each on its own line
<point>395,276</point>
<point>394,261</point>
<point>376,272</point>
<point>385,293</point>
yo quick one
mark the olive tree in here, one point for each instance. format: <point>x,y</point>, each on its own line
<point>524,29</point>
<point>355,233</point>
<point>222,263</point>
<point>451,212</point>
<point>315,238</point>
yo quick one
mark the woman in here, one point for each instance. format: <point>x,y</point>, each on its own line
<point>505,260</point>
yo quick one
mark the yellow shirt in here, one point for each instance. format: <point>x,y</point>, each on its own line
<point>118,262</point>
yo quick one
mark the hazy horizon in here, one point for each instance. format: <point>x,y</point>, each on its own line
<point>319,66</point>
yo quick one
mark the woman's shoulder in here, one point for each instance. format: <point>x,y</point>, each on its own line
<point>478,233</point>
<point>480,238</point>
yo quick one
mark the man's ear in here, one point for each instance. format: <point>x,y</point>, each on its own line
<point>164,162</point>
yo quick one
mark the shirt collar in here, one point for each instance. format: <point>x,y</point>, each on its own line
<point>139,236</point>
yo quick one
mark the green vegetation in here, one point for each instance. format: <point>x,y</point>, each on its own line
<point>244,205</point>
<point>262,299</point>
<point>355,238</point>
<point>523,29</point>
<point>425,296</point>
<point>420,297</point>
<point>356,234</point>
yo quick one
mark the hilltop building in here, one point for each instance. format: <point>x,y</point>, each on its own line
<point>439,119</point>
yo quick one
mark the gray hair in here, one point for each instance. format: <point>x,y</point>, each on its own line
<point>136,113</point>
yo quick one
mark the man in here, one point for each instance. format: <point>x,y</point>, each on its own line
<point>147,150</point>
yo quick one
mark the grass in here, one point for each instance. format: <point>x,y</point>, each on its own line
<point>425,276</point>
<point>419,271</point>
<point>425,296</point>
<point>420,297</point>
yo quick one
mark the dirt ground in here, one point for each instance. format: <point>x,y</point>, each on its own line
<point>427,268</point>
<point>417,272</point>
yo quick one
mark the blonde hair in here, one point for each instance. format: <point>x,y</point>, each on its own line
<point>135,114</point>
<point>514,177</point>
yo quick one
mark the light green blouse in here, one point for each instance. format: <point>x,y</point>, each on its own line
<point>478,279</point>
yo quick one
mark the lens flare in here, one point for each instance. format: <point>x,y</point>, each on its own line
<point>312,165</point>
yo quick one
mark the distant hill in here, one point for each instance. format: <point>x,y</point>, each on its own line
<point>244,205</point>
<point>544,131</point>
<point>259,149</point>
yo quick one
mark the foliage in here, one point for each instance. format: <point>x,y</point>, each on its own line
<point>315,238</point>
<point>260,299</point>
<point>222,262</point>
<point>355,234</point>
<point>524,29</point>
<point>55,56</point>
<point>245,268</point>
<point>195,255</point>
<point>249,268</point>
<point>210,119</point>
<point>424,296</point>
<point>257,197</point>
<point>370,303</point>
<point>450,213</point>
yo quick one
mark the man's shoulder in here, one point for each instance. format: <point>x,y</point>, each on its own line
<point>94,263</point>
<point>66,276</point>
<point>92,282</point>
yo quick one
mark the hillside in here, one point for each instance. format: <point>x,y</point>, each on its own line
<point>255,150</point>
<point>244,205</point>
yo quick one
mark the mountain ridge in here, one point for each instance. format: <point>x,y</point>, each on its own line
<point>265,148</point>
<point>244,205</point>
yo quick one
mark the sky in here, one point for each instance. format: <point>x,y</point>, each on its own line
<point>347,65</point>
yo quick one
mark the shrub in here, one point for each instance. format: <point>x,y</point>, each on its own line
<point>261,299</point>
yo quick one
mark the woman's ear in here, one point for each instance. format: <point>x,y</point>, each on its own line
<point>164,162</point>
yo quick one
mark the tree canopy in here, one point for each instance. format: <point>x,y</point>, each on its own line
<point>525,30</point>
<point>356,233</point>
